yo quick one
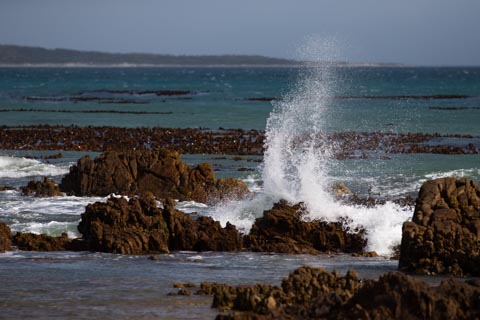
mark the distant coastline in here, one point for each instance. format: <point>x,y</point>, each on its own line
<point>12,56</point>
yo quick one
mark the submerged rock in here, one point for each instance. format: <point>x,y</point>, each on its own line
<point>444,234</point>
<point>47,188</point>
<point>138,226</point>
<point>283,229</point>
<point>161,172</point>
<point>5,237</point>
<point>313,293</point>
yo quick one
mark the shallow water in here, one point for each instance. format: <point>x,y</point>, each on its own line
<point>94,285</point>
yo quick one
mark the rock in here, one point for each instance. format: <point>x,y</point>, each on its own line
<point>161,172</point>
<point>444,234</point>
<point>312,293</point>
<point>341,190</point>
<point>47,188</point>
<point>126,227</point>
<point>283,230</point>
<point>138,226</point>
<point>42,242</point>
<point>5,237</point>
<point>6,188</point>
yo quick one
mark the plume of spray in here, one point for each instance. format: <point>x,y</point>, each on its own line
<point>297,158</point>
<point>298,155</point>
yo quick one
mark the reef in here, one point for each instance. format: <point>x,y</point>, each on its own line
<point>444,234</point>
<point>224,141</point>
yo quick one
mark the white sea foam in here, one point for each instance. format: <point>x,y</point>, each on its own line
<point>16,167</point>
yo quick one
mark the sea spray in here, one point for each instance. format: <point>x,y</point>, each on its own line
<point>298,157</point>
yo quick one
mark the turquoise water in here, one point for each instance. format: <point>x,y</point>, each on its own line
<point>220,97</point>
<point>90,285</point>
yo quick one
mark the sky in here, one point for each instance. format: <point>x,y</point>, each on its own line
<point>417,32</point>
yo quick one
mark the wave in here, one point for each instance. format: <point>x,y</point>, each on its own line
<point>16,167</point>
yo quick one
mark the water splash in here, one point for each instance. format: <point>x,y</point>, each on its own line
<point>297,158</point>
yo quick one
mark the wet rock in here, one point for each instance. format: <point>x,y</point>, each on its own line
<point>312,293</point>
<point>42,242</point>
<point>5,237</point>
<point>161,172</point>
<point>138,226</point>
<point>47,188</point>
<point>6,188</point>
<point>444,234</point>
<point>283,229</point>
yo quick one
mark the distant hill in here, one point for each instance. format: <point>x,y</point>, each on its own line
<point>21,55</point>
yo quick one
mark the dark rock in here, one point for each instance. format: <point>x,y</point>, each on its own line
<point>161,172</point>
<point>444,234</point>
<point>138,226</point>
<point>312,293</point>
<point>42,242</point>
<point>5,237</point>
<point>5,188</point>
<point>47,188</point>
<point>126,227</point>
<point>283,230</point>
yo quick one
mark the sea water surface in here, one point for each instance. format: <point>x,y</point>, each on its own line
<point>93,285</point>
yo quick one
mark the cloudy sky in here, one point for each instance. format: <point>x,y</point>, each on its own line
<point>421,32</point>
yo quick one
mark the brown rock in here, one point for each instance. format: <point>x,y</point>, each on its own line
<point>161,172</point>
<point>126,227</point>
<point>283,230</point>
<point>5,237</point>
<point>47,188</point>
<point>42,242</point>
<point>443,236</point>
<point>312,293</point>
<point>138,226</point>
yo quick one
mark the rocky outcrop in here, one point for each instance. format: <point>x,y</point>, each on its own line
<point>202,234</point>
<point>47,188</point>
<point>139,226</point>
<point>444,234</point>
<point>5,237</point>
<point>312,293</point>
<point>161,172</point>
<point>41,242</point>
<point>282,229</point>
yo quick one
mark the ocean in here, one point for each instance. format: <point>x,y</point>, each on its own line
<point>286,102</point>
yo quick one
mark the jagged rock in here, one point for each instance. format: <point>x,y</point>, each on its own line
<point>5,237</point>
<point>202,234</point>
<point>47,188</point>
<point>444,234</point>
<point>138,226</point>
<point>126,227</point>
<point>340,189</point>
<point>283,230</point>
<point>161,172</point>
<point>41,242</point>
<point>312,293</point>
<point>397,296</point>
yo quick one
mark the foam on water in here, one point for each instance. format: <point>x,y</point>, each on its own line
<point>16,167</point>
